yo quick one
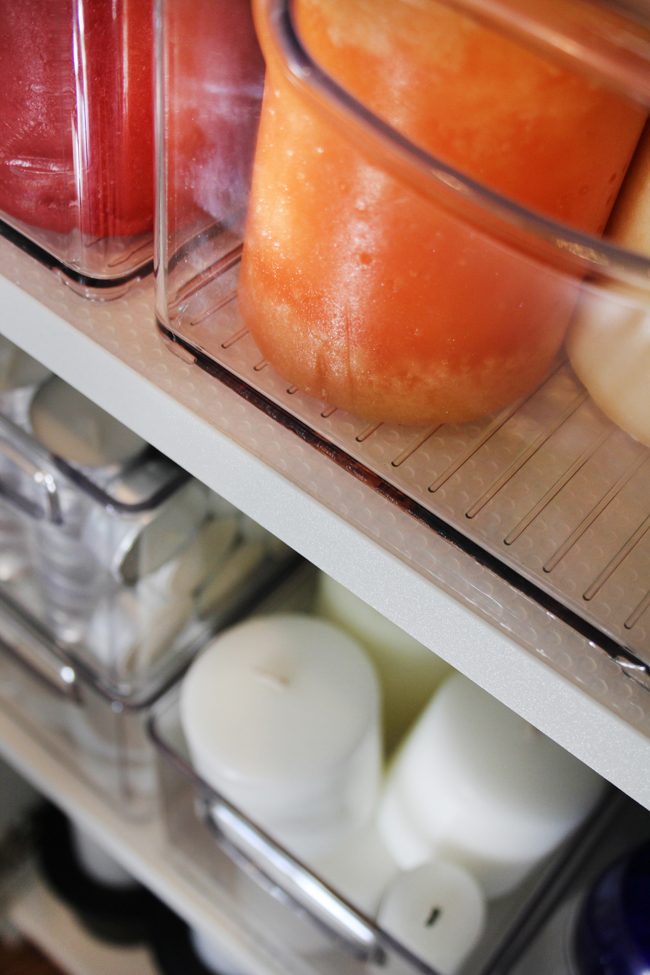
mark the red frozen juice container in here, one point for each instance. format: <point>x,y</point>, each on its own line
<point>76,134</point>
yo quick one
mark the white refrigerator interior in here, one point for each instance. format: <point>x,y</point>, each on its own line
<point>397,757</point>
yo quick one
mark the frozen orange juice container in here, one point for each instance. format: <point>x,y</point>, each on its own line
<point>76,137</point>
<point>404,225</point>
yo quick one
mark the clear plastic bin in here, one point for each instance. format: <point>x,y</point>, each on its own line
<point>551,948</point>
<point>282,909</point>
<point>388,244</point>
<point>113,588</point>
<point>76,146</point>
<point>430,184</point>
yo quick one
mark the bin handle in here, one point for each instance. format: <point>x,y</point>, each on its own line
<point>61,680</point>
<point>51,510</point>
<point>288,881</point>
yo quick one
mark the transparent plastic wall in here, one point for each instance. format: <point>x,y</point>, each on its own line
<point>113,574</point>
<point>76,143</point>
<point>425,217</point>
<point>563,943</point>
<point>210,82</point>
<point>432,250</point>
<point>320,916</point>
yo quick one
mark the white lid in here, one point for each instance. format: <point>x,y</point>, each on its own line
<point>73,427</point>
<point>278,699</point>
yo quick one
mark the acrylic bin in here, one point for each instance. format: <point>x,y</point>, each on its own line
<point>412,252</point>
<point>106,594</point>
<point>553,486</point>
<point>76,148</point>
<point>286,911</point>
<point>280,908</point>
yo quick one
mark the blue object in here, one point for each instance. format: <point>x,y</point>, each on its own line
<point>613,930</point>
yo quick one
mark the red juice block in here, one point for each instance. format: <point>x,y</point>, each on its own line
<point>76,116</point>
<point>213,93</point>
<point>36,173</point>
<point>363,290</point>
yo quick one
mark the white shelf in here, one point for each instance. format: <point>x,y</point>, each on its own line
<point>113,353</point>
<point>45,921</point>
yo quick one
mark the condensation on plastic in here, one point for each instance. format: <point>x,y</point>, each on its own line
<point>125,328</point>
<point>76,150</point>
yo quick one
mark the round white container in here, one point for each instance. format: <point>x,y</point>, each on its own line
<point>477,784</point>
<point>437,911</point>
<point>608,342</point>
<point>281,716</point>
<point>97,863</point>
<point>213,955</point>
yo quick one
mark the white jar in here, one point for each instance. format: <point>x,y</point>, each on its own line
<point>437,911</point>
<point>477,784</point>
<point>281,716</point>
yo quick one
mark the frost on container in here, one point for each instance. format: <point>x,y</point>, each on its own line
<point>431,186</point>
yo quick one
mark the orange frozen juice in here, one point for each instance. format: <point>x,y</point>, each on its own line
<point>365,292</point>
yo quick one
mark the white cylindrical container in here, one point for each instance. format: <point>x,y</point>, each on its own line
<point>72,427</point>
<point>281,716</point>
<point>97,863</point>
<point>437,911</point>
<point>212,955</point>
<point>408,671</point>
<point>476,784</point>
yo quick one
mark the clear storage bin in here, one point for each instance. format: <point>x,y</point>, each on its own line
<point>416,251</point>
<point>551,949</point>
<point>429,186</point>
<point>283,909</point>
<point>76,145</point>
<point>119,583</point>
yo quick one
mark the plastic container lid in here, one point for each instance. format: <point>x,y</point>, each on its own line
<point>613,932</point>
